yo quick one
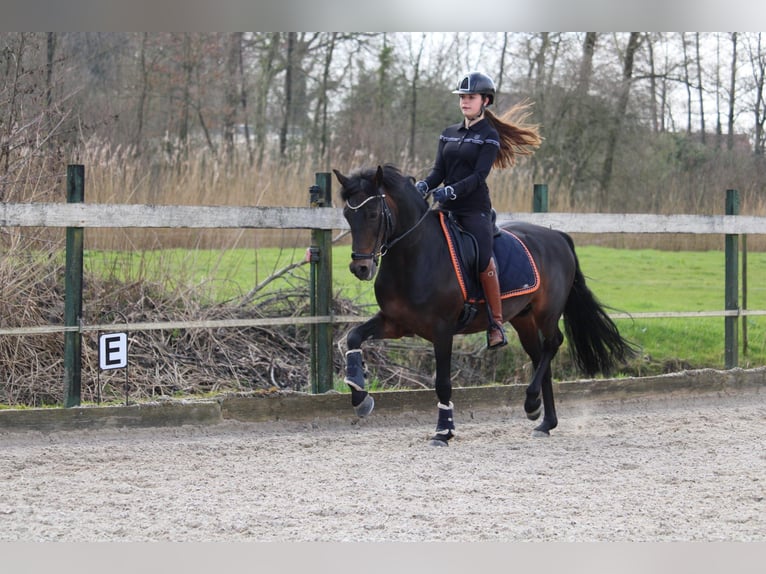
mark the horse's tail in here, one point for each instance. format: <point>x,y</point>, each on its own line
<point>595,343</point>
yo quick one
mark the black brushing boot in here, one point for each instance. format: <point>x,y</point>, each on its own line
<point>361,400</point>
<point>445,426</point>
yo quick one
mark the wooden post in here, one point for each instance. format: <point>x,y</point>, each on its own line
<point>540,198</point>
<point>73,292</point>
<point>732,285</point>
<point>321,365</point>
<point>744,295</point>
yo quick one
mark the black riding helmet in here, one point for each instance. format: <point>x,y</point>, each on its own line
<point>477,83</point>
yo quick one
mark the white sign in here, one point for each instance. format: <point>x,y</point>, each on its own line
<point>113,351</point>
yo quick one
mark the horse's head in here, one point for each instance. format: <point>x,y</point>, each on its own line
<point>369,218</point>
<point>382,208</point>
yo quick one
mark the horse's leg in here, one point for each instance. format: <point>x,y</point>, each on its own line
<point>544,379</point>
<point>445,423</point>
<point>550,420</point>
<point>361,400</point>
<point>530,341</point>
<point>552,341</point>
<point>539,395</point>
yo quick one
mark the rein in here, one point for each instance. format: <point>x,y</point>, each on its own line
<point>387,244</point>
<point>396,240</point>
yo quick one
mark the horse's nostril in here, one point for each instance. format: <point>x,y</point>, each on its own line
<point>360,270</point>
<point>363,269</point>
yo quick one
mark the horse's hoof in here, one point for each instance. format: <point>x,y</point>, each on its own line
<point>533,406</point>
<point>364,408</point>
<point>441,438</point>
<point>544,428</point>
<point>535,414</point>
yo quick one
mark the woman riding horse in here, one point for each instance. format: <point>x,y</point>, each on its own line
<point>465,155</point>
<point>418,293</point>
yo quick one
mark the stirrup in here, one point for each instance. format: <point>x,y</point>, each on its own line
<point>502,342</point>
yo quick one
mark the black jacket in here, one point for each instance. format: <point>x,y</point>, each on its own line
<point>463,160</point>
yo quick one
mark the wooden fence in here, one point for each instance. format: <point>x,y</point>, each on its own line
<point>77,215</point>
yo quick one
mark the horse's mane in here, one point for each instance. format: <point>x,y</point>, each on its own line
<point>363,180</point>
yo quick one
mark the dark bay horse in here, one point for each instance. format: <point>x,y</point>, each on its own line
<point>396,235</point>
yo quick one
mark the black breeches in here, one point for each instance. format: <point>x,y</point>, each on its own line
<point>479,225</point>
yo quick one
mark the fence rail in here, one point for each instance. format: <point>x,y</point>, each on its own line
<point>95,215</point>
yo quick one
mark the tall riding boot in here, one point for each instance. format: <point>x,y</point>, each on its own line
<point>491,285</point>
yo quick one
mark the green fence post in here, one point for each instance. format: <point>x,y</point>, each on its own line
<point>73,292</point>
<point>744,295</point>
<point>732,285</point>
<point>321,366</point>
<point>540,198</point>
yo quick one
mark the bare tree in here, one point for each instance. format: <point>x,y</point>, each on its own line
<point>664,106</point>
<point>654,113</point>
<point>288,96</point>
<point>417,56</point>
<point>718,125</point>
<point>687,83</point>
<point>700,90</point>
<point>143,94</point>
<point>732,92</point>
<point>302,56</point>
<point>243,98</point>
<point>49,61</point>
<point>12,91</point>
<point>267,70</point>
<point>34,114</point>
<point>540,61</point>
<point>188,68</point>
<point>634,42</point>
<point>321,123</point>
<point>577,146</point>
<point>233,91</point>
<point>501,69</point>
<point>757,57</point>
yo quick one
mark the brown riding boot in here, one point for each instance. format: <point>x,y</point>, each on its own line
<point>491,285</point>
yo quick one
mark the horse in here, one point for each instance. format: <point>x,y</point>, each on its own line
<point>398,239</point>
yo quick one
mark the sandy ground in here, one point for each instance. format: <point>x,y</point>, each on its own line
<point>689,469</point>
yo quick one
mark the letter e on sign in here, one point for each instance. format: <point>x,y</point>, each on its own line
<point>113,351</point>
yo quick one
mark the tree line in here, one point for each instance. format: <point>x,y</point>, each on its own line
<point>625,116</point>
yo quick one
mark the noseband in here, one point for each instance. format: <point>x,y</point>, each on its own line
<point>386,220</point>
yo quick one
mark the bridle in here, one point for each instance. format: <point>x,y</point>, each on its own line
<point>386,220</point>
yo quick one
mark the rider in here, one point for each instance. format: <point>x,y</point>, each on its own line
<point>466,153</point>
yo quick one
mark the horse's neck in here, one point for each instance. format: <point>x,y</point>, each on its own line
<point>415,231</point>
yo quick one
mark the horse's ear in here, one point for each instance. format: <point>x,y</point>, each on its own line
<point>379,177</point>
<point>342,179</point>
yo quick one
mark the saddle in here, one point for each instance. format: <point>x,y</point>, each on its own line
<point>517,270</point>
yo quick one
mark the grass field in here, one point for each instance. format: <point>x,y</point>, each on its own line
<point>632,281</point>
<point>643,281</point>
